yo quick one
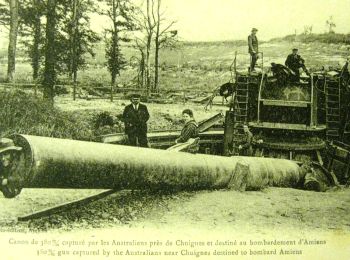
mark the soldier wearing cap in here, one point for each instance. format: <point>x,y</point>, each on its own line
<point>253,48</point>
<point>294,62</point>
<point>135,117</point>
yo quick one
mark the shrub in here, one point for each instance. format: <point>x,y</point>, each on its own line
<point>24,113</point>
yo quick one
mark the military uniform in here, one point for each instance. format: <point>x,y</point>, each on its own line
<point>135,118</point>
<point>246,144</point>
<point>294,62</point>
<point>253,50</point>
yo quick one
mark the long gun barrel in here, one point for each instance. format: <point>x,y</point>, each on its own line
<point>45,162</point>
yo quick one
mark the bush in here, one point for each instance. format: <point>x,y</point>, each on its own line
<point>335,38</point>
<point>24,113</point>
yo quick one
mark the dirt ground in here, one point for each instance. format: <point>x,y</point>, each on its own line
<point>270,210</point>
<point>162,116</point>
<point>261,212</point>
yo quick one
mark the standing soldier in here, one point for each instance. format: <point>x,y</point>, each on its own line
<point>253,49</point>
<point>245,146</point>
<point>294,62</point>
<point>135,117</point>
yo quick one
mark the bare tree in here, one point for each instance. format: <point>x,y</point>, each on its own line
<point>163,36</point>
<point>143,43</point>
<point>141,76</point>
<point>14,22</point>
<point>330,25</point>
<point>150,30</point>
<point>155,30</point>
<point>307,29</point>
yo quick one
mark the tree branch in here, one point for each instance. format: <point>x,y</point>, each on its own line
<point>167,28</point>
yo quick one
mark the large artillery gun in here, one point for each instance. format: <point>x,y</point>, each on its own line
<point>44,162</point>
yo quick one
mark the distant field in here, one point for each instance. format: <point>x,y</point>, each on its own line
<point>196,66</point>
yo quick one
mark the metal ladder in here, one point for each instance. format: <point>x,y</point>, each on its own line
<point>240,110</point>
<point>332,109</point>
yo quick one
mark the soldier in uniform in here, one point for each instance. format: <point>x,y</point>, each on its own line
<point>135,117</point>
<point>245,146</point>
<point>294,62</point>
<point>253,49</point>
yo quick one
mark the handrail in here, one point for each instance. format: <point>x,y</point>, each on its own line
<point>312,101</point>
<point>259,94</point>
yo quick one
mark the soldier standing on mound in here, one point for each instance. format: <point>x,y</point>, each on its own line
<point>253,49</point>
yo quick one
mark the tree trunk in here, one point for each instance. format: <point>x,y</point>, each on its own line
<point>50,52</point>
<point>141,80</point>
<point>148,63</point>
<point>11,63</point>
<point>36,42</point>
<point>156,67</point>
<point>74,57</point>
<point>156,54</point>
<point>114,47</point>
<point>148,49</point>
<point>113,83</point>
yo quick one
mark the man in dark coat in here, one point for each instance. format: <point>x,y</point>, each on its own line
<point>294,62</point>
<point>253,49</point>
<point>135,117</point>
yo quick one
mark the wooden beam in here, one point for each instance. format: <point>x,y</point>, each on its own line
<point>66,206</point>
<point>319,157</point>
<point>285,103</point>
<point>206,124</point>
<point>284,126</point>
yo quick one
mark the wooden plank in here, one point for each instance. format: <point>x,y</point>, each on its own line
<point>192,145</point>
<point>164,138</point>
<point>299,127</point>
<point>314,106</point>
<point>285,103</point>
<point>66,206</point>
<point>347,170</point>
<point>319,157</point>
<point>206,124</point>
<point>228,132</point>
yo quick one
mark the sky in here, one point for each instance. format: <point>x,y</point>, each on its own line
<point>210,20</point>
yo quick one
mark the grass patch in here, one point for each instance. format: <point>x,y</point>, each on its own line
<point>23,113</point>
